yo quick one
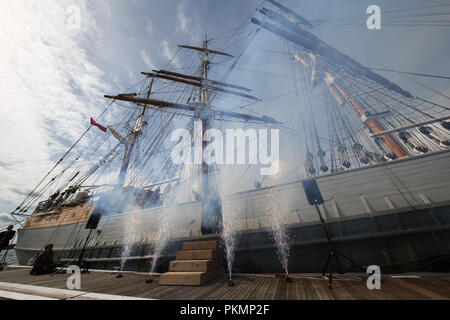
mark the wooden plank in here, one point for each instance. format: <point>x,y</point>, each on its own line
<point>201,245</point>
<point>194,265</point>
<point>421,289</point>
<point>66,216</point>
<point>305,287</point>
<point>199,254</point>
<point>399,291</point>
<point>181,279</point>
<point>188,278</point>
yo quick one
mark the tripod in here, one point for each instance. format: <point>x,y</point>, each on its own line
<point>3,260</point>
<point>315,199</point>
<point>333,254</point>
<point>81,262</point>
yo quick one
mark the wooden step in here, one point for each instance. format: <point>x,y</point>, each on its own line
<point>189,278</point>
<point>208,254</point>
<point>201,245</point>
<point>195,265</point>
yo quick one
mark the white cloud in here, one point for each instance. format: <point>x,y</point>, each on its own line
<point>169,54</point>
<point>147,60</point>
<point>149,27</point>
<point>184,22</point>
<point>5,220</point>
<point>50,88</point>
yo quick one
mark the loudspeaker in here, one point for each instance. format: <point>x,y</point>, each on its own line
<point>312,192</point>
<point>94,219</point>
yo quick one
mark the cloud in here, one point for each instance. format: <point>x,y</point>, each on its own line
<point>50,88</point>
<point>184,22</point>
<point>6,219</point>
<point>149,27</point>
<point>23,192</point>
<point>168,53</point>
<point>147,60</point>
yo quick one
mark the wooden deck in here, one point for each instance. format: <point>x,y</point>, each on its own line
<point>305,287</point>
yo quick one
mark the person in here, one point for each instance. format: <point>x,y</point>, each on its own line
<point>6,237</point>
<point>211,215</point>
<point>44,262</point>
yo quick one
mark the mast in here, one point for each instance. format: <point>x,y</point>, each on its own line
<point>204,99</point>
<point>203,110</point>
<point>373,124</point>
<point>130,144</point>
<point>205,122</point>
<point>292,32</point>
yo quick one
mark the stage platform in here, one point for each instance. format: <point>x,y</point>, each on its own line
<point>103,285</point>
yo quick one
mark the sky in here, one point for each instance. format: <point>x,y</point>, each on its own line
<point>55,69</point>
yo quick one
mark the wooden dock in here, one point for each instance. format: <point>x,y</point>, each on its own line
<point>247,287</point>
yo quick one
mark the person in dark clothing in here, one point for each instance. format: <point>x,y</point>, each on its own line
<point>211,215</point>
<point>6,237</point>
<point>44,262</point>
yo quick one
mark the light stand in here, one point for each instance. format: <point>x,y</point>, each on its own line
<point>3,261</point>
<point>91,225</point>
<point>315,199</point>
<point>81,262</point>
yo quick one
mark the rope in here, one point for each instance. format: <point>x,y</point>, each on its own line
<point>411,73</point>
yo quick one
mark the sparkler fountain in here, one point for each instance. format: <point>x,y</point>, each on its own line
<point>228,229</point>
<point>228,236</point>
<point>130,238</point>
<point>279,230</point>
<point>160,241</point>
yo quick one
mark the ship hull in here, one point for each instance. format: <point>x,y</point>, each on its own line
<point>380,215</point>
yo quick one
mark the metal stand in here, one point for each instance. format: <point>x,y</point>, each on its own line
<point>81,262</point>
<point>333,254</point>
<point>3,261</point>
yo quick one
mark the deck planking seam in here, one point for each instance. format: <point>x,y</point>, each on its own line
<point>246,288</point>
<point>421,290</point>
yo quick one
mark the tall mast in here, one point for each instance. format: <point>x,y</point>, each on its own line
<point>205,121</point>
<point>373,124</point>
<point>202,111</point>
<point>137,130</point>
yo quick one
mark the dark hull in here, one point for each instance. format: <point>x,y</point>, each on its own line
<point>382,215</point>
<point>418,237</point>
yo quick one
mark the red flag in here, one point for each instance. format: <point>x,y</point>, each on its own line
<point>98,126</point>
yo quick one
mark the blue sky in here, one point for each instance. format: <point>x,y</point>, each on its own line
<point>54,78</point>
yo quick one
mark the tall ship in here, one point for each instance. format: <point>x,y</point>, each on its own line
<point>379,154</point>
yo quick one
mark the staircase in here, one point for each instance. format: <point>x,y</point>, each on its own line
<point>198,263</point>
